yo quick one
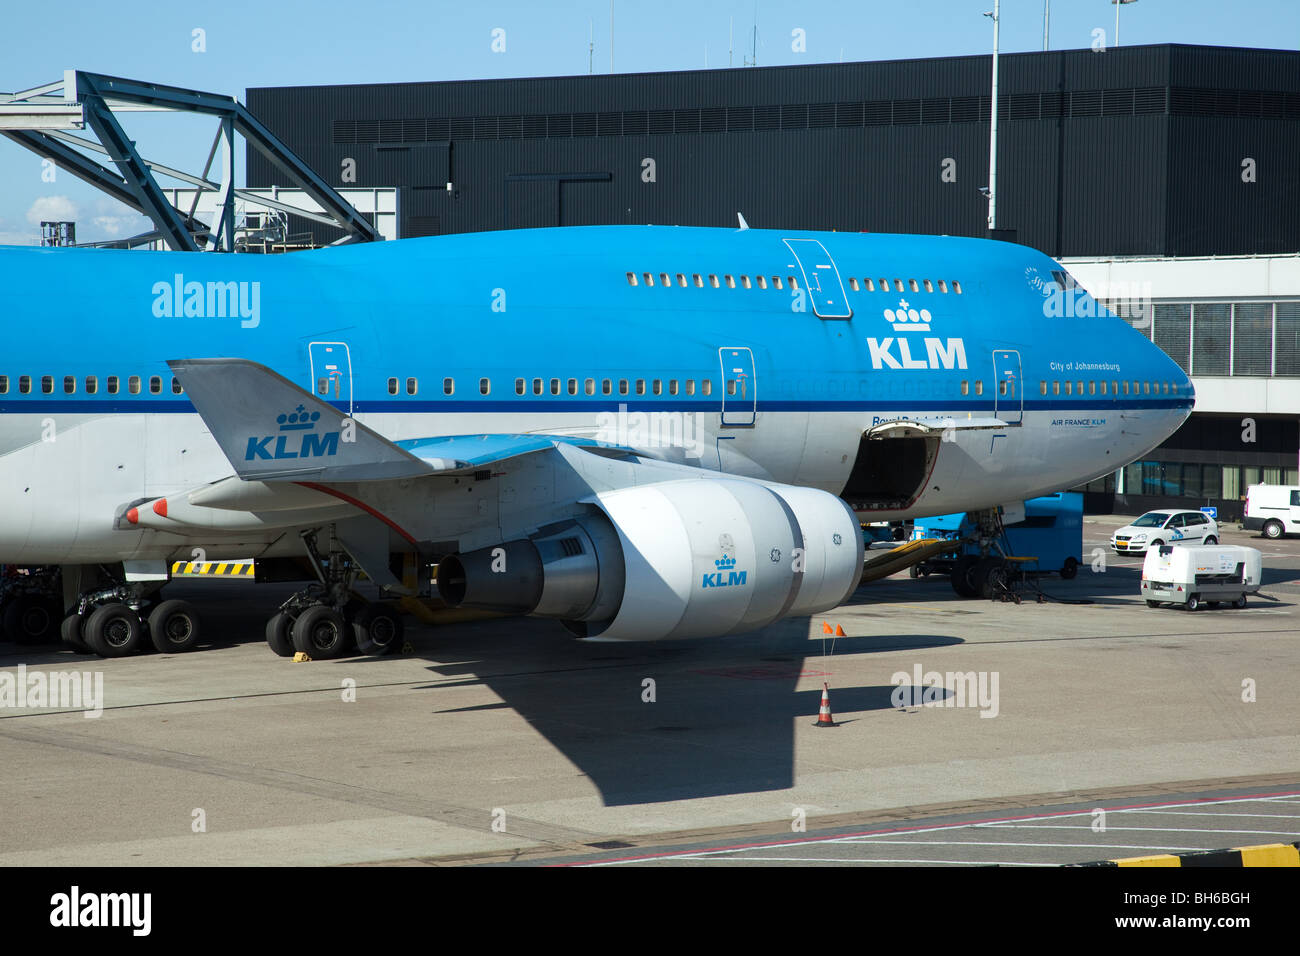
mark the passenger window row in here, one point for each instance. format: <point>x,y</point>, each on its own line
<point>90,384</point>
<point>640,386</point>
<point>698,280</point>
<point>1112,387</point>
<point>913,285</point>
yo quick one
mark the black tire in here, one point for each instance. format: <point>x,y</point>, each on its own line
<point>278,634</point>
<point>1211,539</point>
<point>32,619</point>
<point>1069,569</point>
<point>113,630</point>
<point>912,572</point>
<point>174,627</point>
<point>1273,529</point>
<point>961,576</point>
<point>989,576</point>
<point>1154,544</point>
<point>1153,603</point>
<point>321,633</point>
<point>378,629</point>
<point>1193,602</point>
<point>71,631</point>
<point>1240,602</point>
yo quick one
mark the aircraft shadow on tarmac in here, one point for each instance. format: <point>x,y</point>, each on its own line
<point>723,713</point>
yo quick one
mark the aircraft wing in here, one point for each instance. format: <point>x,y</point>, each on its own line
<point>272,430</point>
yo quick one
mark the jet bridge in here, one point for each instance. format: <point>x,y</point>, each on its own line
<point>47,119</point>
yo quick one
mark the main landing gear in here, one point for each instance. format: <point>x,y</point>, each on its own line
<point>325,620</point>
<point>123,618</point>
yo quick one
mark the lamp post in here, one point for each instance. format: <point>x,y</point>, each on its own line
<point>993,124</point>
<point>1118,4</point>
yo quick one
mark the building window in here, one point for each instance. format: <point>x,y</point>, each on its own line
<point>412,386</point>
<point>392,386</point>
<point>485,386</point>
<point>69,384</point>
<point>631,278</point>
<point>448,386</point>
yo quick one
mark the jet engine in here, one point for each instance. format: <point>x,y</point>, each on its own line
<point>685,558</point>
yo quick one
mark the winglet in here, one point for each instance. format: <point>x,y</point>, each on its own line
<point>272,430</point>
<point>743,224</point>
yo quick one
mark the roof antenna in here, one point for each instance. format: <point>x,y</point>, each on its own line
<point>743,224</point>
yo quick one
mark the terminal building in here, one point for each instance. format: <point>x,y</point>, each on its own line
<point>1163,176</point>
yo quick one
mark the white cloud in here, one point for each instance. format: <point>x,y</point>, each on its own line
<point>52,208</point>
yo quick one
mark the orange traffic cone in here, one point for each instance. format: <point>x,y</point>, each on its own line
<point>839,631</point>
<point>826,628</point>
<point>824,718</point>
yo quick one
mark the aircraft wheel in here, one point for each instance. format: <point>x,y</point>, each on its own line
<point>961,576</point>
<point>113,630</point>
<point>278,635</point>
<point>174,627</point>
<point>990,577</point>
<point>320,632</point>
<point>1069,569</point>
<point>378,629</point>
<point>31,619</point>
<point>71,631</point>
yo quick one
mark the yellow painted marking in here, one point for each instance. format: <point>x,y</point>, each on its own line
<point>1274,854</point>
<point>1163,859</point>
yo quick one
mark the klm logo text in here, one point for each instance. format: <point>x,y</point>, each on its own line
<point>897,353</point>
<point>725,576</point>
<point>298,438</point>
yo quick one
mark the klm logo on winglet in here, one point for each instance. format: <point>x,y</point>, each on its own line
<point>725,575</point>
<point>298,438</point>
<point>891,353</point>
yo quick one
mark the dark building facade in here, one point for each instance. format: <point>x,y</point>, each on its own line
<point>1134,151</point>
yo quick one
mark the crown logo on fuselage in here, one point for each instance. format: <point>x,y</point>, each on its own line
<point>906,319</point>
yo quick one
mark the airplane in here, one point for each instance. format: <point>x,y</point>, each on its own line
<point>643,432</point>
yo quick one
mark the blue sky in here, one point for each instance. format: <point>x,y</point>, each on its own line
<point>252,44</point>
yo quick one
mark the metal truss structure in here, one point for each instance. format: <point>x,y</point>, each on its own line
<point>44,118</point>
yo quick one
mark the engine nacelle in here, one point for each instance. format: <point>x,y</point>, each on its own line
<point>687,558</point>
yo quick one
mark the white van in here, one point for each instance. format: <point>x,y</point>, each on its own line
<point>1272,510</point>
